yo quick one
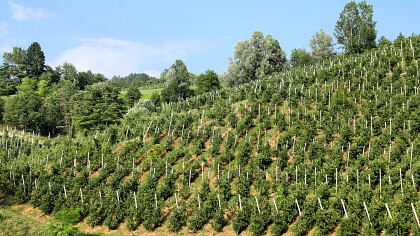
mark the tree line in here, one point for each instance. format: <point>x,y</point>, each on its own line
<point>61,99</point>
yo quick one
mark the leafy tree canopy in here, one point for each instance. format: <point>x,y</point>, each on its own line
<point>321,45</point>
<point>300,57</point>
<point>207,81</point>
<point>355,28</point>
<point>178,79</point>
<point>254,58</point>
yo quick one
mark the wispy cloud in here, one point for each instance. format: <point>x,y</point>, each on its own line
<point>23,13</point>
<point>119,57</point>
<point>3,29</point>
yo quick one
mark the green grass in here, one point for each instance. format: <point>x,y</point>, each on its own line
<point>13,222</point>
<point>147,93</point>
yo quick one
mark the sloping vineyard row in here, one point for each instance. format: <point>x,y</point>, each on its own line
<point>341,133</point>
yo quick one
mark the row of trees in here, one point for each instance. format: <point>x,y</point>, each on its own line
<point>259,56</point>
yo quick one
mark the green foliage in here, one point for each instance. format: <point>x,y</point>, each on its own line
<point>137,79</point>
<point>219,220</point>
<point>355,28</point>
<point>27,84</point>
<point>96,107</point>
<point>24,111</point>
<point>34,60</point>
<point>300,57</point>
<point>1,109</point>
<point>178,80</point>
<point>254,58</point>
<point>64,230</point>
<point>177,219</point>
<point>208,81</point>
<point>132,96</point>
<point>69,215</point>
<point>241,220</point>
<point>321,45</point>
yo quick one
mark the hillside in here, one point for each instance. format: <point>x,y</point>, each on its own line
<point>330,148</point>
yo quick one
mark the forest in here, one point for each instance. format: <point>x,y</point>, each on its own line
<point>321,143</point>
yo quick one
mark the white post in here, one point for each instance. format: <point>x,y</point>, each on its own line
<point>189,180</point>
<point>258,206</point>
<point>240,204</point>
<point>389,212</point>
<point>297,204</point>
<point>81,195</point>
<point>364,204</point>
<point>275,205</point>
<point>380,184</point>
<point>411,156</point>
<point>344,208</point>
<point>156,200</point>
<point>65,193</point>
<point>415,214</point>
<point>320,204</point>
<point>176,202</point>
<point>135,198</point>
<point>402,191</point>
<point>336,181</point>
<point>199,205</point>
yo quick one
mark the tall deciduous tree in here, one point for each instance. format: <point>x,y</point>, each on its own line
<point>254,58</point>
<point>178,80</point>
<point>207,81</point>
<point>300,57</point>
<point>34,60</point>
<point>57,107</point>
<point>24,111</point>
<point>321,45</point>
<point>355,28</point>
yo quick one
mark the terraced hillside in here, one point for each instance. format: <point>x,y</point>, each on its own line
<point>330,148</point>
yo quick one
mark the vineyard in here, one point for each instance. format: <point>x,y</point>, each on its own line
<point>327,148</point>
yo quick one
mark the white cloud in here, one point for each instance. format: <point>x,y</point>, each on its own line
<point>3,29</point>
<point>153,73</point>
<point>23,13</point>
<point>119,57</point>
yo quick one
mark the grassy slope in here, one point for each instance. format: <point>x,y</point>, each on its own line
<point>22,220</point>
<point>147,94</point>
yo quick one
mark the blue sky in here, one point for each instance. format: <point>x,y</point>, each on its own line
<point>120,37</point>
